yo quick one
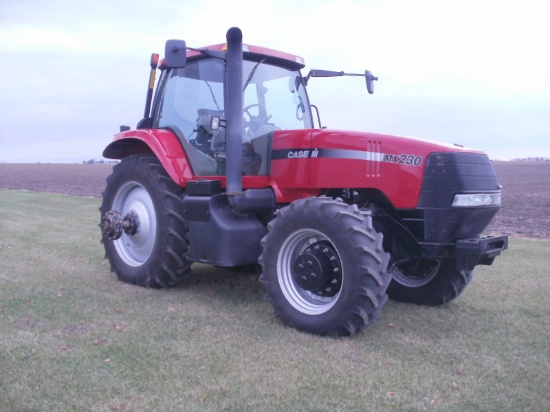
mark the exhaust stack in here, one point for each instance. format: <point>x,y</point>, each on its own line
<point>234,110</point>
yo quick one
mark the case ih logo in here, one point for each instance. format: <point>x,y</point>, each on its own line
<point>402,159</point>
<point>300,154</point>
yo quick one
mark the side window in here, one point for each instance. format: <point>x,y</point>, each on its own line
<point>187,103</point>
<point>176,109</point>
<point>185,99</point>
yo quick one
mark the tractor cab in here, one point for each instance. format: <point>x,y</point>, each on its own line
<point>190,102</point>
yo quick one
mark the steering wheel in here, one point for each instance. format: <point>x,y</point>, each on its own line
<point>250,106</point>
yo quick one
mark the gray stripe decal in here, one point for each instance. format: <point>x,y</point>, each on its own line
<point>326,153</point>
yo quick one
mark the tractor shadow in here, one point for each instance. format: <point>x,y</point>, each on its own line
<point>239,284</point>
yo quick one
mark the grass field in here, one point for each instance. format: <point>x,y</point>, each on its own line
<point>74,338</point>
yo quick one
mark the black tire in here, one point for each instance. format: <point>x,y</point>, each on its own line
<point>354,275</point>
<point>430,283</point>
<point>154,255</point>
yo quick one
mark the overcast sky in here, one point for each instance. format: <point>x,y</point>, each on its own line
<point>473,72</point>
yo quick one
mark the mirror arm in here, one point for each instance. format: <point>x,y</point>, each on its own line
<point>322,73</point>
<point>306,79</point>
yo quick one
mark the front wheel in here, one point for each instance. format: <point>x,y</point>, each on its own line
<point>324,268</point>
<point>427,282</point>
<point>150,251</point>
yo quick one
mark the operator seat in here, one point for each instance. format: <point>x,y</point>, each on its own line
<point>260,137</point>
<point>201,163</point>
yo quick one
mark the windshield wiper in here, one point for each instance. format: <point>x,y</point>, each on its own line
<point>213,96</point>
<point>252,72</point>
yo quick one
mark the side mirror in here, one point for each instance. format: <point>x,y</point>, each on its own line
<point>175,54</point>
<point>370,78</point>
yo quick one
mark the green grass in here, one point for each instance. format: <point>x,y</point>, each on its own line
<point>72,337</point>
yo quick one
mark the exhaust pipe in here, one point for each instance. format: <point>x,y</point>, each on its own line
<point>234,110</point>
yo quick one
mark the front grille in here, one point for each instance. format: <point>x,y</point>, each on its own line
<point>447,174</point>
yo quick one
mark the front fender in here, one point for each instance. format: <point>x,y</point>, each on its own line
<point>398,240</point>
<point>162,143</point>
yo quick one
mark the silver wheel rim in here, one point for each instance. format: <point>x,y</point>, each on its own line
<point>136,249</point>
<point>302,300</point>
<point>407,276</point>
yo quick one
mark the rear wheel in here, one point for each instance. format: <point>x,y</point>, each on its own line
<point>427,282</point>
<point>324,268</point>
<point>150,251</point>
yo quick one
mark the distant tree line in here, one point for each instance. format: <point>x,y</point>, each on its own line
<point>532,159</point>
<point>527,159</point>
<point>94,161</point>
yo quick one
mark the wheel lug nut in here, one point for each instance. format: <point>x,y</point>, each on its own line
<point>325,250</point>
<point>332,258</point>
<point>312,276</point>
<point>336,270</point>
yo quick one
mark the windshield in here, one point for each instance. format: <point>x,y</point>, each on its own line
<point>272,101</point>
<point>272,91</point>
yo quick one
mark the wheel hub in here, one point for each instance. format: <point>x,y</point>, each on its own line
<point>318,270</point>
<point>113,225</point>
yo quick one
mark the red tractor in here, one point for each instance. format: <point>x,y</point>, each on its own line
<point>227,168</point>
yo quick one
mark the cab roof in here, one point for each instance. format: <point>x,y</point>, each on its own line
<point>255,53</point>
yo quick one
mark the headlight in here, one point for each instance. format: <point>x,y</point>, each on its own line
<point>477,199</point>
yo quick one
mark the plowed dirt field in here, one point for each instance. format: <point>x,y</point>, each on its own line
<point>525,206</point>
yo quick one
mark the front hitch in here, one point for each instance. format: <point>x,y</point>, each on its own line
<point>113,225</point>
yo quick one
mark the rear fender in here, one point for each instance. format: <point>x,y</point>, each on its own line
<point>162,143</point>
